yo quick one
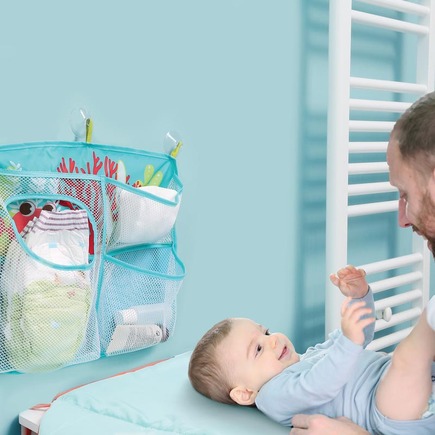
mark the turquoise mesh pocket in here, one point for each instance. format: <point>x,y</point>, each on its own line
<point>47,278</point>
<point>137,305</point>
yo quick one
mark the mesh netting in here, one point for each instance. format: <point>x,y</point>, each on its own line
<point>64,297</point>
<point>137,304</point>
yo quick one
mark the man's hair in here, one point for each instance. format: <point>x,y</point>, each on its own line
<point>415,131</point>
<point>207,374</point>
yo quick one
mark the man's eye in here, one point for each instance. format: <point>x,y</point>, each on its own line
<point>259,347</point>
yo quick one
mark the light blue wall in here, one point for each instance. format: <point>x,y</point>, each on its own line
<point>244,82</point>
<point>225,75</point>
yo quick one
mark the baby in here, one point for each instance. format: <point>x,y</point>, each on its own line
<point>240,362</point>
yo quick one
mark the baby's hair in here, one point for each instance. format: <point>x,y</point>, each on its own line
<point>206,374</point>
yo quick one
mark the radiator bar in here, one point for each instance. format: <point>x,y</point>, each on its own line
<point>370,188</point>
<point>395,281</point>
<point>388,23</point>
<point>388,85</point>
<point>396,300</point>
<point>372,208</point>
<point>371,126</point>
<point>368,147</point>
<point>367,168</point>
<point>400,6</point>
<point>397,319</point>
<point>389,340</point>
<point>392,263</point>
<point>378,105</point>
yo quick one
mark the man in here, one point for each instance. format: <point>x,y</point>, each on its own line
<point>411,160</point>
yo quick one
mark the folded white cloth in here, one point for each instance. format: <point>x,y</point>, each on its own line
<point>144,219</point>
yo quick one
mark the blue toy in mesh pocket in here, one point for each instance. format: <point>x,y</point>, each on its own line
<point>64,215</point>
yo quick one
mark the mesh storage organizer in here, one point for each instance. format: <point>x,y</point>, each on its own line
<point>88,261</point>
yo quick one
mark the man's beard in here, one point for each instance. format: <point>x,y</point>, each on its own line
<point>427,214</point>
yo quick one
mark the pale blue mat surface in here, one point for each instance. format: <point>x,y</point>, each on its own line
<point>154,400</point>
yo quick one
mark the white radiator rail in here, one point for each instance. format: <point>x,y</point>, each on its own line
<point>389,340</point>
<point>388,85</point>
<point>397,319</point>
<point>388,23</point>
<point>367,147</point>
<point>396,281</point>
<point>369,188</point>
<point>367,168</point>
<point>400,6</point>
<point>371,126</point>
<point>392,263</point>
<point>371,208</point>
<point>396,300</point>
<point>377,105</point>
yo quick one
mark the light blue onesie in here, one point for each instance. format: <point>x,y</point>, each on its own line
<point>337,378</point>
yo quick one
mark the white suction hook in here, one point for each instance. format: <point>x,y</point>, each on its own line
<point>172,143</point>
<point>78,120</point>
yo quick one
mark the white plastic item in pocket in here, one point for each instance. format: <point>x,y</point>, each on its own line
<point>142,314</point>
<point>145,220</point>
<point>129,337</point>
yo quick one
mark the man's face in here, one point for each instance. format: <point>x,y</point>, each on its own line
<point>417,193</point>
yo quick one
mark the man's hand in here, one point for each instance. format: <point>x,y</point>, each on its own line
<point>351,281</point>
<point>317,424</point>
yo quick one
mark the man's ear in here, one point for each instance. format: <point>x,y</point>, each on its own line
<point>243,396</point>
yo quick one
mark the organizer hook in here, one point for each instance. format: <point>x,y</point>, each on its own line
<point>89,127</point>
<point>172,143</point>
<point>80,121</point>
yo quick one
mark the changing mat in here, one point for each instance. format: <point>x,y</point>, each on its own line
<point>156,399</point>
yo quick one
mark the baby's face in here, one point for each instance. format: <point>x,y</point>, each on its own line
<point>253,356</point>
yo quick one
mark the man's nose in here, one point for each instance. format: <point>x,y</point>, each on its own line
<point>403,218</point>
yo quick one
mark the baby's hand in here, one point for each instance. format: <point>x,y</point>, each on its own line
<point>351,281</point>
<point>352,323</point>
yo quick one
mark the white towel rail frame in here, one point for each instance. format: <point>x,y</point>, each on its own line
<point>342,16</point>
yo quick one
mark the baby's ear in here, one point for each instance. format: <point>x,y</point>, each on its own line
<point>243,396</point>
